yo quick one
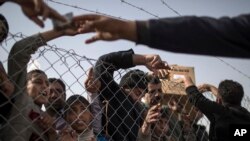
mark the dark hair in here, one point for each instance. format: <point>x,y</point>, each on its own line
<point>29,75</point>
<point>74,98</point>
<point>231,92</point>
<point>6,29</point>
<point>165,112</point>
<point>133,79</point>
<point>53,80</point>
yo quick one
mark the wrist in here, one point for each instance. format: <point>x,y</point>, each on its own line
<point>139,59</point>
<point>61,33</point>
<point>145,127</point>
<point>129,32</point>
<point>51,34</point>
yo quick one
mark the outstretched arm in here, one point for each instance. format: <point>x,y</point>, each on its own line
<point>194,35</point>
<point>20,53</point>
<point>198,35</point>
<point>18,59</point>
<point>106,28</point>
<point>108,63</point>
<point>196,98</point>
<point>152,61</point>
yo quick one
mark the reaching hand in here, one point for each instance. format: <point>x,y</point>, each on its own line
<point>69,31</point>
<point>106,28</point>
<point>34,8</point>
<point>154,62</point>
<point>153,114</point>
<point>188,81</point>
<point>68,134</point>
<point>207,87</point>
<point>92,85</point>
<point>45,121</point>
<point>204,88</point>
<point>162,73</point>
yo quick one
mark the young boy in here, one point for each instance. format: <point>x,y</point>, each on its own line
<point>26,119</point>
<point>79,117</point>
<point>161,130</point>
<point>37,90</point>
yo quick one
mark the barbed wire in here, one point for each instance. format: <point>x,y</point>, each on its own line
<point>65,55</point>
<point>169,7</point>
<point>154,15</point>
<point>232,67</point>
<point>140,8</point>
<point>221,60</point>
<point>85,9</point>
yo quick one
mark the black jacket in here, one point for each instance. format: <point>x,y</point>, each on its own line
<point>200,132</point>
<point>229,37</point>
<point>124,115</point>
<point>220,117</point>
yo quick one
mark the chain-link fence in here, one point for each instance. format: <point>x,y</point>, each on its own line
<point>73,104</point>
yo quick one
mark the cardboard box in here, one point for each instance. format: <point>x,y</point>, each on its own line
<point>172,84</point>
<point>173,88</point>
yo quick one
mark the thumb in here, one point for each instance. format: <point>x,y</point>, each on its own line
<point>91,72</point>
<point>93,39</point>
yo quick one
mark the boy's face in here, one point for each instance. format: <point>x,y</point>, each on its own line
<point>153,96</point>
<point>6,86</point>
<point>79,117</point>
<point>37,88</point>
<point>161,127</point>
<point>56,95</point>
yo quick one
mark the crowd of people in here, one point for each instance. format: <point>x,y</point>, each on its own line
<point>131,109</point>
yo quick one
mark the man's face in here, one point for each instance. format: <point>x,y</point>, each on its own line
<point>136,93</point>
<point>56,96</point>
<point>79,117</point>
<point>6,86</point>
<point>154,94</point>
<point>37,88</point>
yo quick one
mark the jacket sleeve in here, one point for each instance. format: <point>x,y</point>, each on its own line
<point>19,57</point>
<point>105,68</point>
<point>228,37</point>
<point>206,106</point>
<point>142,137</point>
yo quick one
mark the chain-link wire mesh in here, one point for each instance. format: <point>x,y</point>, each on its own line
<point>73,104</point>
<point>69,106</point>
